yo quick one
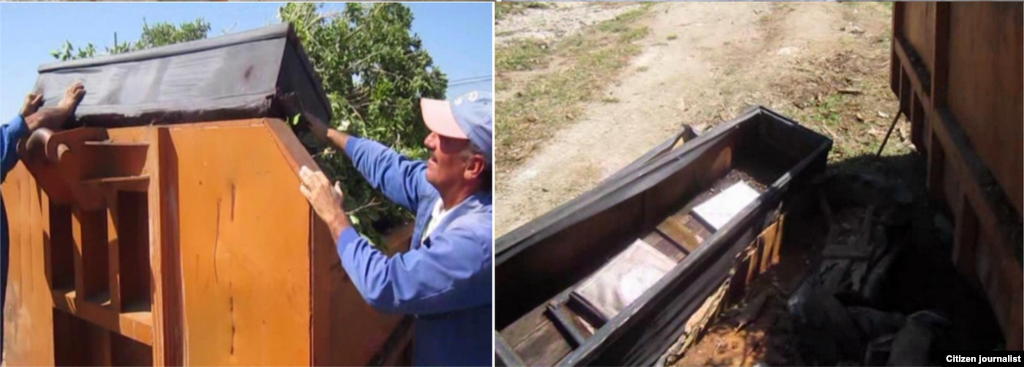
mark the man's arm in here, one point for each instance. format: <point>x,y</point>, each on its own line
<point>399,178</point>
<point>337,138</point>
<point>31,118</point>
<point>13,131</point>
<point>10,133</point>
<point>453,273</point>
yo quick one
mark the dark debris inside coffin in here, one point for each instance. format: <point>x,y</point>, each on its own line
<point>868,282</point>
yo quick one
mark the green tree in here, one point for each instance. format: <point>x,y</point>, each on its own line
<point>160,34</point>
<point>374,71</point>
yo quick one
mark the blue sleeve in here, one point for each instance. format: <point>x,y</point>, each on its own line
<point>452,274</point>
<point>400,179</point>
<point>10,133</point>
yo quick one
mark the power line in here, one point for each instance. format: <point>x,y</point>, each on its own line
<point>468,83</point>
<point>469,80</point>
<point>488,76</point>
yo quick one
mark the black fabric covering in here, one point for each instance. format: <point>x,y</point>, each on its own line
<point>229,77</point>
<point>640,334</point>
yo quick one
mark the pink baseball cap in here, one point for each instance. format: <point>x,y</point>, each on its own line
<point>470,116</point>
<point>438,116</point>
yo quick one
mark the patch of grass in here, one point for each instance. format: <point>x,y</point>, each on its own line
<point>554,98</point>
<point>642,69</point>
<point>505,9</point>
<point>624,21</point>
<point>827,112</point>
<point>635,34</point>
<point>834,116</point>
<point>672,37</point>
<point>521,55</point>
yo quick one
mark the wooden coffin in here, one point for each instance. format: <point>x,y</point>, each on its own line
<point>167,227</point>
<point>544,314</point>
<point>184,244</point>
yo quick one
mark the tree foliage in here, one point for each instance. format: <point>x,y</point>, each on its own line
<point>160,34</point>
<point>374,71</point>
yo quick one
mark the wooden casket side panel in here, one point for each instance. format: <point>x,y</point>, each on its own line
<point>28,305</point>
<point>244,234</point>
<point>345,329</point>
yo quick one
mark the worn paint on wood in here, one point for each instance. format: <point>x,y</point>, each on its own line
<point>970,121</point>
<point>988,102</point>
<point>918,30</point>
<point>243,237</point>
<point>29,307</point>
<point>213,259</point>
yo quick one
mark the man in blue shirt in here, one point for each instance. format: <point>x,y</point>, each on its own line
<point>29,119</point>
<point>445,277</point>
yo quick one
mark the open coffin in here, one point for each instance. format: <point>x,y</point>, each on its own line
<point>611,277</point>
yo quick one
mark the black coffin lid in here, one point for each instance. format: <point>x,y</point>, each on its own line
<point>229,77</point>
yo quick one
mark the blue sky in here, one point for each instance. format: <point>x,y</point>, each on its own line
<point>458,36</point>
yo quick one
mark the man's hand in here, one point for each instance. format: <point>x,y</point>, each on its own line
<point>53,118</point>
<point>32,103</point>
<point>292,104</point>
<point>326,201</point>
<point>323,132</point>
<point>319,128</point>
<point>72,96</point>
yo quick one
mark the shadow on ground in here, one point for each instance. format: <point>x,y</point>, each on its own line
<point>900,303</point>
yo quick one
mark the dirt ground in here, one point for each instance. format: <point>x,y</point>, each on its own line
<point>547,21</point>
<point>824,64</point>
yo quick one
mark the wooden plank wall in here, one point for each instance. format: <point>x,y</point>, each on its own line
<point>986,48</point>
<point>957,71</point>
<point>917,21</point>
<point>979,52</point>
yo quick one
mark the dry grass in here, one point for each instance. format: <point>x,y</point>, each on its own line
<point>507,8</point>
<point>565,74</point>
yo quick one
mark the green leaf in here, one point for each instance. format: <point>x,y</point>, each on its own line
<point>374,71</point>
<point>158,34</point>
